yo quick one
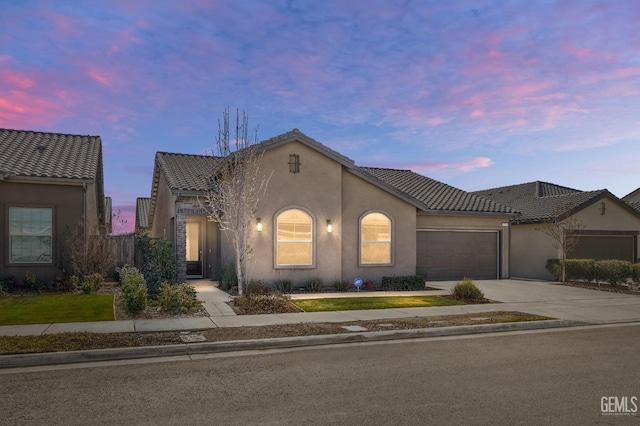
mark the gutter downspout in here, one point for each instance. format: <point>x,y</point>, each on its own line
<point>84,216</point>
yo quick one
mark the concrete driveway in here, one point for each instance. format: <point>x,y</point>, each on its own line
<point>558,301</point>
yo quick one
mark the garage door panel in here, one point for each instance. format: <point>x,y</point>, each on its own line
<point>452,255</point>
<point>603,247</point>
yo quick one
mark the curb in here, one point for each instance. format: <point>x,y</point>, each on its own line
<point>188,349</point>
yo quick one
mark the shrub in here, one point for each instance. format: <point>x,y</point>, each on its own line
<point>228,277</point>
<point>87,287</point>
<point>612,271</point>
<point>158,263</point>
<point>134,289</point>
<point>635,272</point>
<point>554,266</point>
<point>284,285</point>
<point>177,298</point>
<point>341,286</point>
<point>369,285</point>
<point>96,279</point>
<point>314,285</point>
<point>30,280</point>
<point>8,283</point>
<point>580,269</point>
<point>403,283</point>
<point>264,303</point>
<point>467,290</point>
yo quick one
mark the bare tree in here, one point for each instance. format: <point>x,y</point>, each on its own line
<point>237,186</point>
<point>564,233</point>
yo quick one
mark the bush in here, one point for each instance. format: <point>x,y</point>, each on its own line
<point>257,287</point>
<point>403,283</point>
<point>467,290</point>
<point>228,277</point>
<point>264,303</point>
<point>314,285</point>
<point>30,280</point>
<point>369,285</point>
<point>554,266</point>
<point>134,289</point>
<point>284,286</point>
<point>8,283</point>
<point>177,298</point>
<point>158,263</point>
<point>341,286</point>
<point>612,271</point>
<point>87,287</point>
<point>635,272</point>
<point>580,269</point>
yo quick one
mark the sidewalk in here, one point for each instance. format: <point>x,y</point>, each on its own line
<point>541,298</point>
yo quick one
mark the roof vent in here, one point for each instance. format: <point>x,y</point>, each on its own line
<point>40,148</point>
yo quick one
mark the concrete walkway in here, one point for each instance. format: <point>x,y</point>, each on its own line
<point>542,298</point>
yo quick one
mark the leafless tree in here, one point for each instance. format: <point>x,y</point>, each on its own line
<point>237,186</point>
<point>565,234</point>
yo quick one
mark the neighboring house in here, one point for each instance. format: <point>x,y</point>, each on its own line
<point>610,226</point>
<point>142,214</point>
<point>633,199</point>
<point>50,184</point>
<point>325,217</point>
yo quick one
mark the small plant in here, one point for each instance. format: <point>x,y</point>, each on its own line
<point>264,303</point>
<point>314,285</point>
<point>88,287</point>
<point>228,277</point>
<point>340,285</point>
<point>30,280</point>
<point>257,287</point>
<point>134,289</point>
<point>369,285</point>
<point>466,290</point>
<point>284,285</point>
<point>8,283</point>
<point>3,292</point>
<point>177,298</point>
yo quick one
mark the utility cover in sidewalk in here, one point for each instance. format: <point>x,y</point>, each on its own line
<point>354,328</point>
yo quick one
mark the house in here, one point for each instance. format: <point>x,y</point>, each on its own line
<point>51,184</point>
<point>609,226</point>
<point>324,217</point>
<point>142,214</point>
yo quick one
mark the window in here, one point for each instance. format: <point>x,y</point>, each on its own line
<point>30,235</point>
<point>295,238</point>
<point>294,163</point>
<point>375,239</point>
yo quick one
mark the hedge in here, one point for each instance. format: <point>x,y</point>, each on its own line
<point>611,271</point>
<point>403,283</point>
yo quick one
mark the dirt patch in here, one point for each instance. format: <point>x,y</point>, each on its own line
<point>621,288</point>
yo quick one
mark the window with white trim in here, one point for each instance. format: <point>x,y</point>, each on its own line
<point>294,242</point>
<point>375,239</point>
<point>30,235</point>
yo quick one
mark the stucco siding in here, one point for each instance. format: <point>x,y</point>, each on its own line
<point>164,211</point>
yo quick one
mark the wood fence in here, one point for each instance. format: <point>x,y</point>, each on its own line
<point>119,248</point>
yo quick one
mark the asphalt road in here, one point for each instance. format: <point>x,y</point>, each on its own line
<point>551,377</point>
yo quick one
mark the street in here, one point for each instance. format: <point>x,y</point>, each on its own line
<point>549,377</point>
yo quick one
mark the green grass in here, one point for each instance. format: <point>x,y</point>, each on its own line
<point>358,303</point>
<point>56,308</point>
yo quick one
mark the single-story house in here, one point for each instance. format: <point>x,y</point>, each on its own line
<point>608,226</point>
<point>324,217</point>
<point>50,184</point>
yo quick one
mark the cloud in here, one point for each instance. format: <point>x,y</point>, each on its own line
<point>445,167</point>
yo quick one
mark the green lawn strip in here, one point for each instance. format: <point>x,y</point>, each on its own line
<point>359,303</point>
<point>56,308</point>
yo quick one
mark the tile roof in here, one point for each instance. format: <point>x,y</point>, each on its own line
<point>541,201</point>
<point>49,155</point>
<point>634,205</point>
<point>142,212</point>
<point>434,195</point>
<point>185,172</point>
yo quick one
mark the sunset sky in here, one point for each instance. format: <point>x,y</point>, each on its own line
<point>476,94</point>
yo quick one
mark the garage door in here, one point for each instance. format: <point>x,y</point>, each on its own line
<point>602,247</point>
<point>453,255</point>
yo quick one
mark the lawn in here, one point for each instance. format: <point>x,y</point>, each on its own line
<point>359,303</point>
<point>45,309</point>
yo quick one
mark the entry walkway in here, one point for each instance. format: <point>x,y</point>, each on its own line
<point>541,298</point>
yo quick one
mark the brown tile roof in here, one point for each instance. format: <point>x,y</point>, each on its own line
<point>49,155</point>
<point>186,172</point>
<point>434,195</point>
<point>542,201</point>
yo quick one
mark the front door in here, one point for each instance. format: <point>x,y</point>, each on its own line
<point>194,249</point>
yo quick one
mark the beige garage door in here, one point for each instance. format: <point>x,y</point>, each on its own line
<point>602,247</point>
<point>453,255</point>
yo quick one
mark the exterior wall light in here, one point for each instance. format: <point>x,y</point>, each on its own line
<point>258,225</point>
<point>329,226</point>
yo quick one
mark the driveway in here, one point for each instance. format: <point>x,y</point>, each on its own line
<point>558,301</point>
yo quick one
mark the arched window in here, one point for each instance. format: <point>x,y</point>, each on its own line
<point>375,239</point>
<point>294,242</point>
